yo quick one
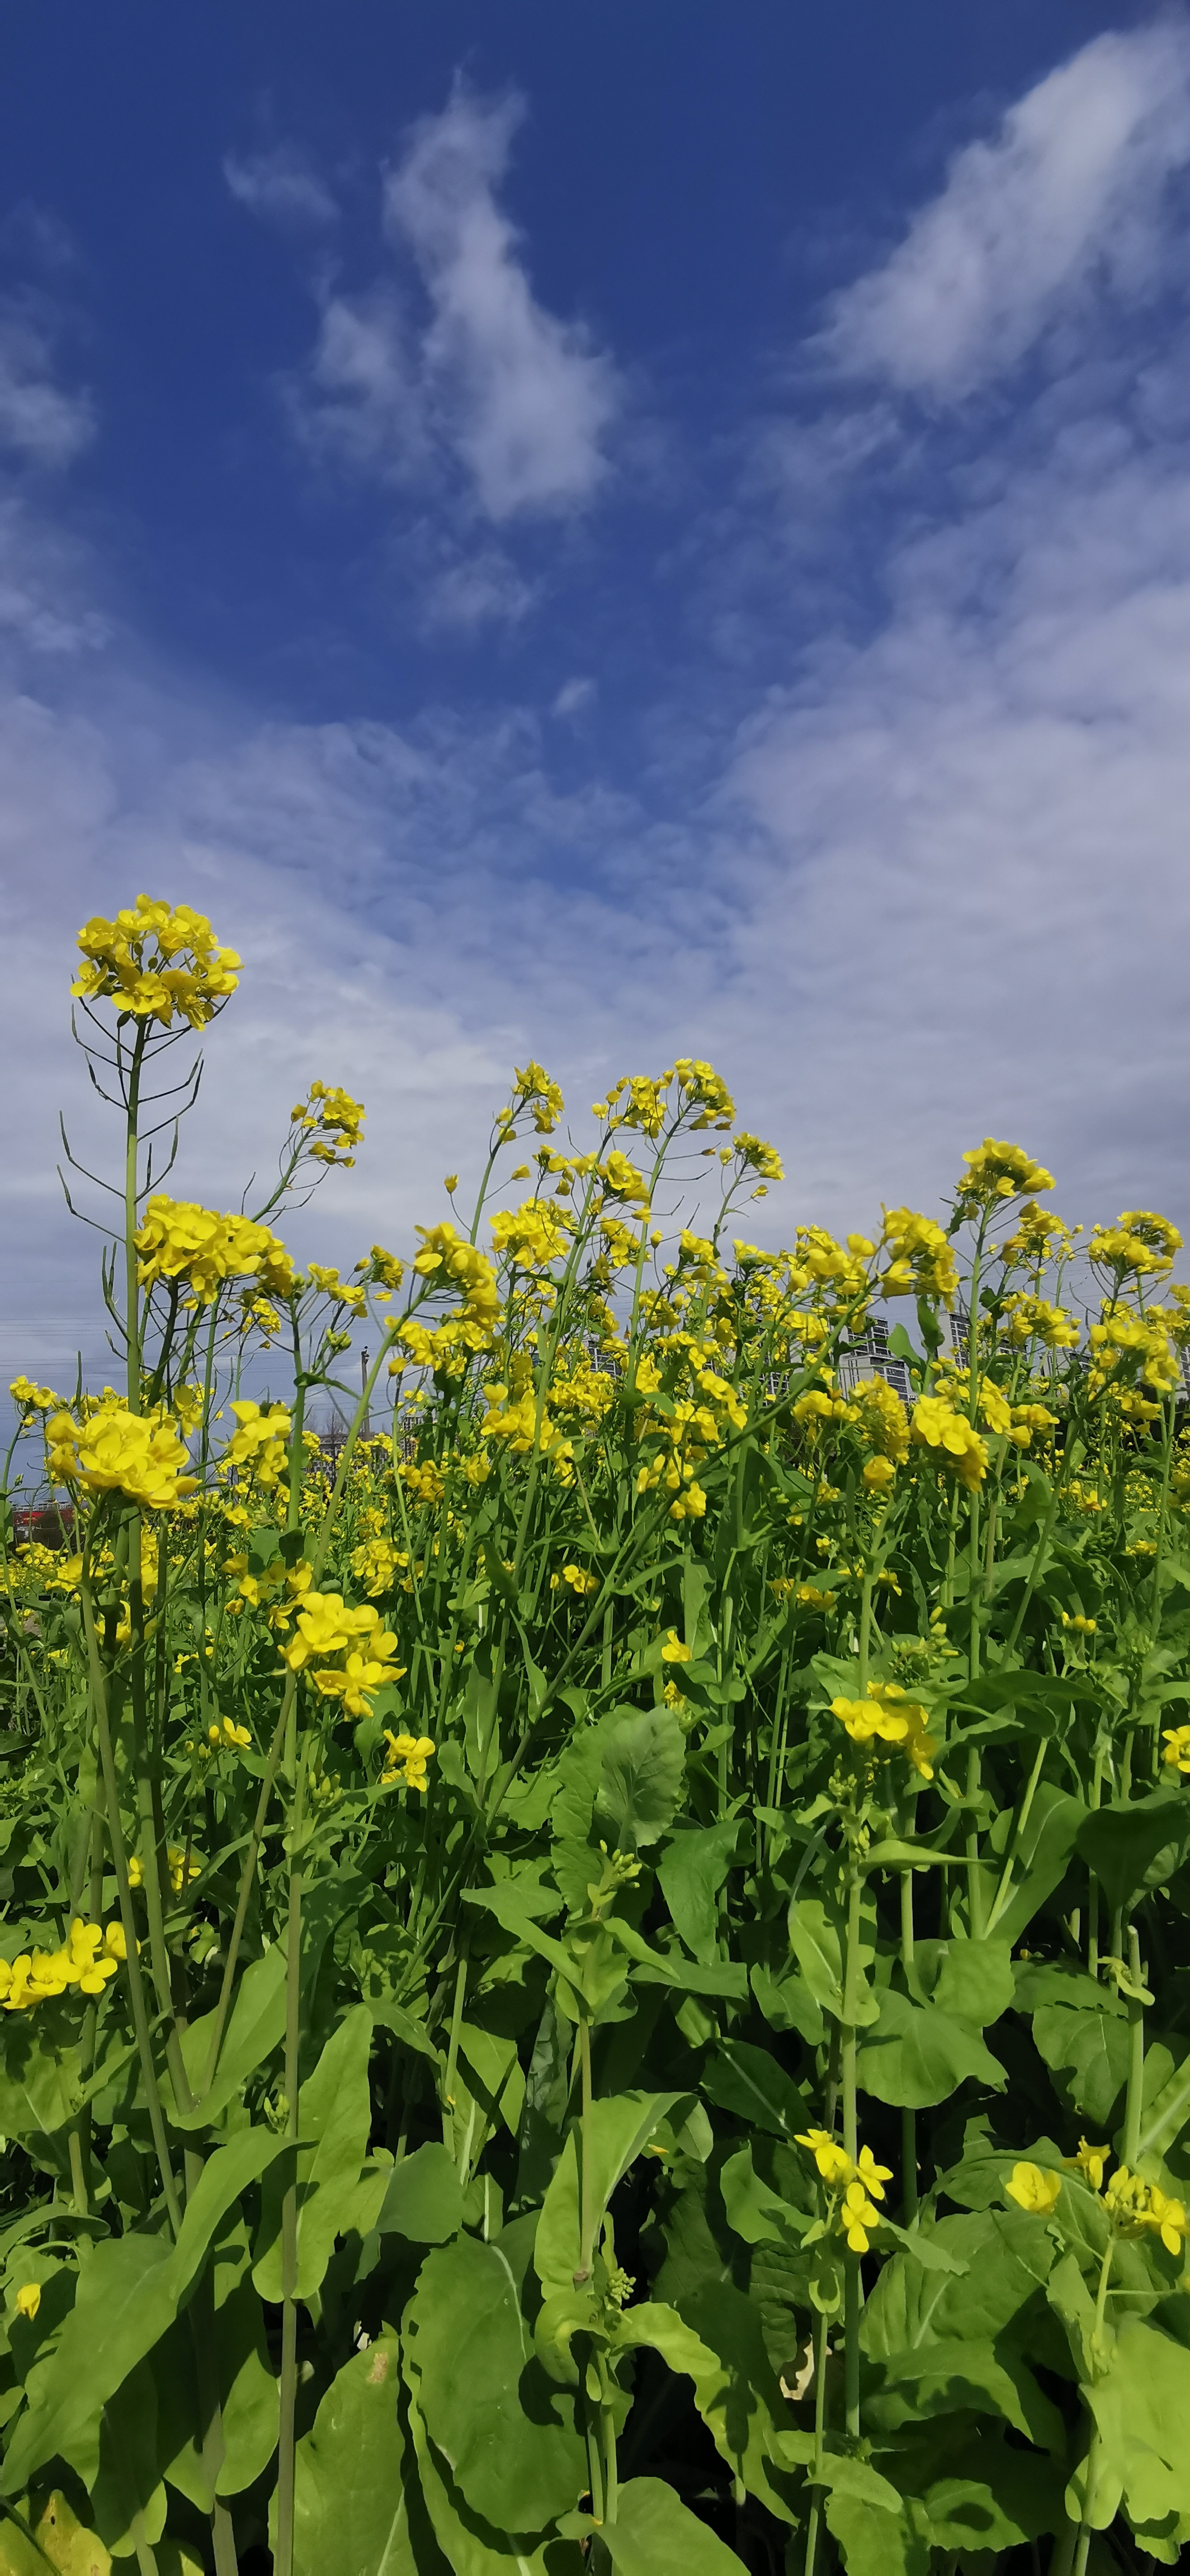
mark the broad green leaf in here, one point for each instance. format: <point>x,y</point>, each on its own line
<point>350,2511</point>
<point>1003,2258</point>
<point>875,2542</point>
<point>817,1948</point>
<point>127,2495</point>
<point>1044,1856</point>
<point>973,1979</point>
<point>750,2082</point>
<point>255,2027</point>
<point>994,2499</point>
<point>505,2432</point>
<point>620,2127</point>
<point>334,2116</point>
<point>745,2412</point>
<point>654,2534</point>
<point>787,2004</point>
<point>128,2294</point>
<point>756,2212</point>
<point>424,2199</point>
<point>244,2380</point>
<point>1093,2046</point>
<point>950,2377</point>
<point>1124,1844</point>
<point>692,1870</point>
<point>640,1779</point>
<point>59,2540</point>
<point>917,2054</point>
<point>496,2067</point>
<point>469,2545</point>
<point>39,2078</point>
<point>1142,2408</point>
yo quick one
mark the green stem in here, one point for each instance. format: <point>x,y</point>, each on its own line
<point>1068,1468</point>
<point>587,2185</point>
<point>812,2528</point>
<point>909,2207</point>
<point>452,2057</point>
<point>140,2018</point>
<point>1136,2055</point>
<point>289,2247</point>
<point>853,2283</point>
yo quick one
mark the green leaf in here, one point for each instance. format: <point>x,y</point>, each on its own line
<point>748,2081</point>
<point>787,2004</point>
<point>955,2376</point>
<point>1044,1854</point>
<point>744,2411</point>
<point>654,2535</point>
<point>128,2295</point>
<point>917,2054</point>
<point>496,2068</point>
<point>39,2079</point>
<point>1002,2258</point>
<point>1142,2408</point>
<point>350,2514</point>
<point>469,2545</point>
<point>334,2117</point>
<point>244,2381</point>
<point>971,1979</point>
<point>62,2542</point>
<point>873,2542</point>
<point>818,1950</point>
<point>756,2212</point>
<point>692,1871</point>
<point>1124,1845</point>
<point>127,2499</point>
<point>1093,2046</point>
<point>424,2199</point>
<point>1008,2499</point>
<point>644,1758</point>
<point>506,2434</point>
<point>255,2027</point>
<point>620,2127</point>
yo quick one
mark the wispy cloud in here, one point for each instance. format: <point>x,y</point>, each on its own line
<point>445,369</point>
<point>525,398</point>
<point>43,423</point>
<point>283,188</point>
<point>1066,199</point>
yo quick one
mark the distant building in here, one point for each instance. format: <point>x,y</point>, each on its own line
<point>871,1357</point>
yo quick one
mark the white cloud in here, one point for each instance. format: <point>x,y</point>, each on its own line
<point>445,371</point>
<point>41,422</point>
<point>526,399</point>
<point>573,697</point>
<point>1068,195</point>
<point>282,188</point>
<point>360,401</point>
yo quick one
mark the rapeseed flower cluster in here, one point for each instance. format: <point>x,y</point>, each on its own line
<point>854,2187</point>
<point>405,1760</point>
<point>156,960</point>
<point>114,1451</point>
<point>886,1715</point>
<point>88,1957</point>
<point>327,1124</point>
<point>347,1654</point>
<point>179,1240</point>
<point>260,1442</point>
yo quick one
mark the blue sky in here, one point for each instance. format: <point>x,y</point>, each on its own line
<point>601,532</point>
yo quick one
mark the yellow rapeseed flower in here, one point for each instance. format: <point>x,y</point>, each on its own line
<point>154,960</point>
<point>1034,2190</point>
